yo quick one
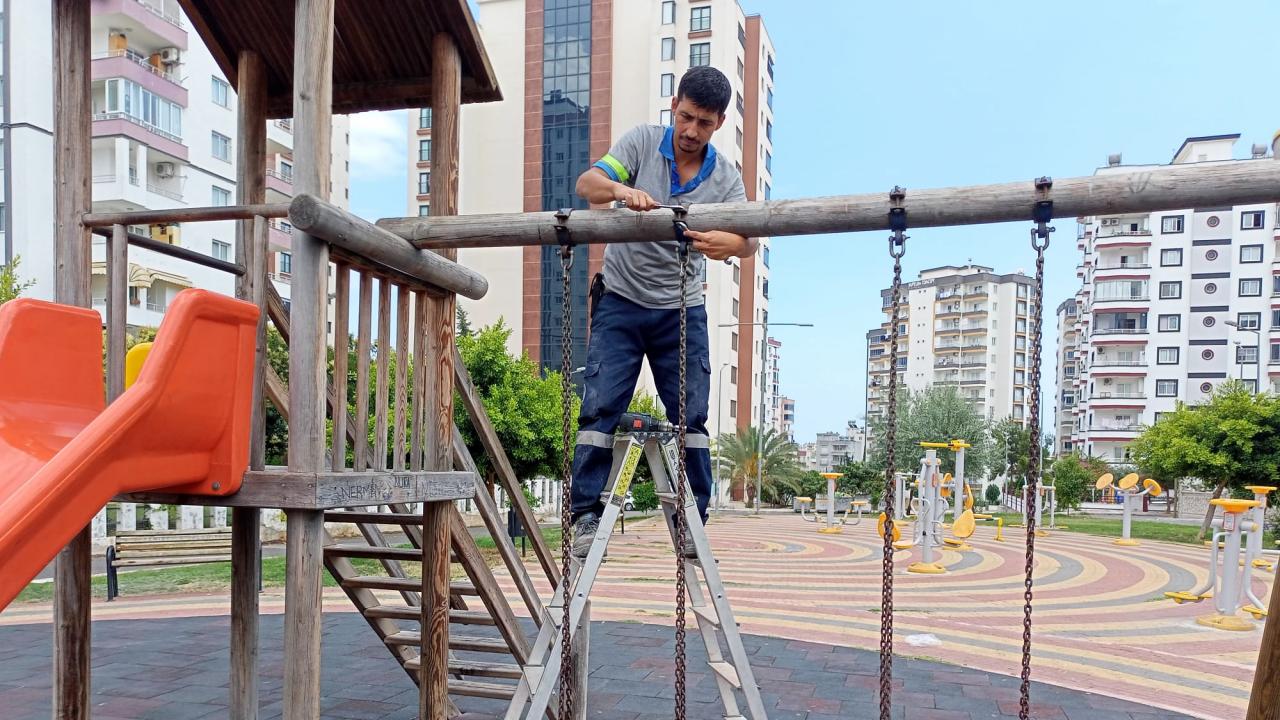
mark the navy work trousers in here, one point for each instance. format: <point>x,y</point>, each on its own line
<point>623,333</point>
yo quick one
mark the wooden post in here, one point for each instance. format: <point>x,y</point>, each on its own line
<point>1264,700</point>
<point>312,131</point>
<point>73,166</point>
<point>446,100</point>
<point>251,251</point>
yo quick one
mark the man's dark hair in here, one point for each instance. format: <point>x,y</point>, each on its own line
<point>706,87</point>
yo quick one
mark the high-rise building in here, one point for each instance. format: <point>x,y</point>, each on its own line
<point>164,136</point>
<point>1066,368</point>
<point>785,419</point>
<point>573,82</point>
<point>1171,304</point>
<point>960,326</point>
<point>833,449</point>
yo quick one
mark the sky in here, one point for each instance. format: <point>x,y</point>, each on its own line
<point>938,93</point>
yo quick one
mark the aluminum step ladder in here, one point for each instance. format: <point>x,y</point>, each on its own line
<point>655,442</point>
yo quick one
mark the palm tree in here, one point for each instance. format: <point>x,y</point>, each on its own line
<point>739,454</point>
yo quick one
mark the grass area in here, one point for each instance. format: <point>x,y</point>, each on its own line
<point>1140,530</point>
<point>216,577</point>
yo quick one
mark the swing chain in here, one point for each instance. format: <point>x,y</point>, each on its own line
<point>682,244</point>
<point>897,248</point>
<point>567,674</point>
<point>1042,214</point>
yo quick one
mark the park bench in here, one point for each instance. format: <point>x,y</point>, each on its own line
<point>139,548</point>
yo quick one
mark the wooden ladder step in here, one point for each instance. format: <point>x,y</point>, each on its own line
<point>376,518</point>
<point>467,643</point>
<point>354,550</point>
<point>508,671</point>
<point>382,582</point>
<point>402,612</point>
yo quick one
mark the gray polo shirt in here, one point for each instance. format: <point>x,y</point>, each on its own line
<point>649,273</point>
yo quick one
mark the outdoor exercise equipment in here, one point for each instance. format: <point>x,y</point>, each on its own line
<point>903,485</point>
<point>930,510</point>
<point>953,485</point>
<point>1229,578</point>
<point>830,525</point>
<point>1259,516</point>
<point>1130,497</point>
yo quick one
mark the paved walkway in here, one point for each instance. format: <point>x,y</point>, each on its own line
<point>1100,623</point>
<point>176,669</point>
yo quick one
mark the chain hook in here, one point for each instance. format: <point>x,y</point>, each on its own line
<point>897,222</point>
<point>564,238</point>
<point>1042,214</point>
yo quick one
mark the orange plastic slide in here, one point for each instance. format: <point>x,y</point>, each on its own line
<point>182,426</point>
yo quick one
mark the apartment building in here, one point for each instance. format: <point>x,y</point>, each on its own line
<point>164,136</point>
<point>963,326</point>
<point>1065,369</point>
<point>785,419</point>
<point>576,75</point>
<point>1170,305</point>
<point>832,449</point>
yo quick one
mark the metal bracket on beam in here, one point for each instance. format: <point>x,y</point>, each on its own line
<point>897,221</point>
<point>1042,213</point>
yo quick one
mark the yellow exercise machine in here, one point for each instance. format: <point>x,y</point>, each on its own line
<point>1229,579</point>
<point>1130,498</point>
<point>1258,516</point>
<point>830,526</point>
<point>930,509</point>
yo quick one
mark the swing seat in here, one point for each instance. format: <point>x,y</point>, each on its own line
<point>1181,596</point>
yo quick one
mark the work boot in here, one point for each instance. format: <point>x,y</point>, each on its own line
<point>584,534</point>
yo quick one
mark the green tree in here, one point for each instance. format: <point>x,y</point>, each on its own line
<point>643,497</point>
<point>523,405</point>
<point>992,495</point>
<point>464,322</point>
<point>936,414</point>
<point>861,478</point>
<point>1072,476</point>
<point>1229,441</point>
<point>11,284</point>
<point>740,456</point>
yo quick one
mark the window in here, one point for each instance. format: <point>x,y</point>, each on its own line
<point>700,18</point>
<point>1019,360</point>
<point>667,85</point>
<point>768,191</point>
<point>1166,388</point>
<point>699,54</point>
<point>1170,290</point>
<point>286,170</point>
<point>221,146</point>
<point>1171,224</point>
<point>769,101</point>
<point>1249,321</point>
<point>1246,354</point>
<point>1019,377</point>
<point>668,48</point>
<point>424,150</point>
<point>768,161</point>
<point>664,117</point>
<point>221,197</point>
<point>424,119</point>
<point>1250,384</point>
<point>741,104</point>
<point>668,12</point>
<point>424,210</point>
<point>733,341</point>
<point>769,66</point>
<point>221,250</point>
<point>1275,319</point>
<point>424,183</point>
<point>733,408</point>
<point>1171,257</point>
<point>1250,253</point>
<point>285,266</point>
<point>1167,356</point>
<point>741,68</point>
<point>1250,287</point>
<point>1169,323</point>
<point>1275,285</point>
<point>221,93</point>
<point>737,275</point>
<point>733,374</point>
<point>1251,220</point>
<point>768,129</point>
<point>735,307</point>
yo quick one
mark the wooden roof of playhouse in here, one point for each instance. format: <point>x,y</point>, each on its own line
<point>381,49</point>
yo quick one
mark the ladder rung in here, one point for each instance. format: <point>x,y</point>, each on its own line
<point>471,688</point>
<point>467,667</point>
<point>376,518</point>
<point>382,582</point>
<point>413,638</point>
<point>354,550</point>
<point>402,612</point>
<point>707,613</point>
<point>726,671</point>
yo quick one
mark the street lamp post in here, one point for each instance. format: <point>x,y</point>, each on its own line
<point>1257,364</point>
<point>719,420</point>
<point>764,360</point>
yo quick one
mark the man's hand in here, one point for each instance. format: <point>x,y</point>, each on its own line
<point>720,245</point>
<point>637,200</point>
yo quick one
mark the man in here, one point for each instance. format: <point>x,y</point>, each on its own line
<point>636,312</point>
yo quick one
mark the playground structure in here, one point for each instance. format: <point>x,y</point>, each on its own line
<point>829,525</point>
<point>930,509</point>
<point>440,63</point>
<point>1229,583</point>
<point>1130,497</point>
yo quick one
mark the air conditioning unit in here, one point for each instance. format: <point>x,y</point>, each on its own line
<point>1106,381</point>
<point>170,55</point>
<point>164,169</point>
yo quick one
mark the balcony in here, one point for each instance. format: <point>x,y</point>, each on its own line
<point>117,123</point>
<point>280,236</point>
<point>1140,362</point>
<point>973,381</point>
<point>1126,298</point>
<point>135,67</point>
<point>156,22</point>
<point>281,183</point>
<point>1119,331</point>
<point>1116,395</point>
<point>974,329</point>
<point>1122,266</point>
<point>164,192</point>
<point>1115,428</point>
<point>974,363</point>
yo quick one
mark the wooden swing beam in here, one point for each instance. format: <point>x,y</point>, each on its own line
<point>1137,191</point>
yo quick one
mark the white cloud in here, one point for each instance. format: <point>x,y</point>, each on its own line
<point>379,145</point>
